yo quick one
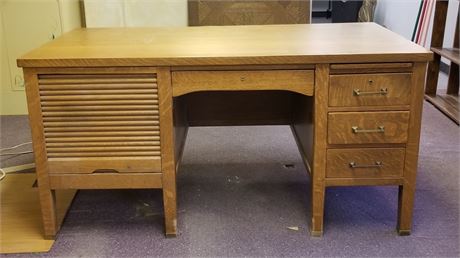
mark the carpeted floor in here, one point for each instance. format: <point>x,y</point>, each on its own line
<point>237,197</point>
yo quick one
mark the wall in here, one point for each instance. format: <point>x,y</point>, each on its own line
<point>132,13</point>
<point>400,16</point>
<point>27,24</point>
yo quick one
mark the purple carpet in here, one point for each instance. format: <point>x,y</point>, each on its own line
<point>240,188</point>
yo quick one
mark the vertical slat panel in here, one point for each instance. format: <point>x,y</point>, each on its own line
<point>106,111</point>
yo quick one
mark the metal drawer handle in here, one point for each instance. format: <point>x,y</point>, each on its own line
<point>378,164</point>
<point>380,129</point>
<point>382,91</point>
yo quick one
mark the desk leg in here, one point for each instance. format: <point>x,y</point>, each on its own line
<point>46,195</point>
<point>405,208</point>
<point>319,148</point>
<point>407,190</point>
<point>48,209</point>
<point>168,167</point>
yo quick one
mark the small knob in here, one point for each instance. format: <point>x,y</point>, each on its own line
<point>371,81</point>
<point>242,79</point>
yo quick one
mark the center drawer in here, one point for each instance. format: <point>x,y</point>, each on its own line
<point>301,81</point>
<point>368,127</point>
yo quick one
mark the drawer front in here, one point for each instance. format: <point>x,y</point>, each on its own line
<point>301,81</point>
<point>365,163</point>
<point>369,90</point>
<point>368,127</point>
<point>101,122</point>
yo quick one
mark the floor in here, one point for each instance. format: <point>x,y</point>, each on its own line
<point>240,188</point>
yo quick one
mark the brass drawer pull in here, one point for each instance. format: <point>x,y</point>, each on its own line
<point>380,129</point>
<point>382,91</point>
<point>378,164</point>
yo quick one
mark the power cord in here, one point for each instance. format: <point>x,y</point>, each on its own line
<point>15,147</point>
<point>3,174</point>
<point>13,169</point>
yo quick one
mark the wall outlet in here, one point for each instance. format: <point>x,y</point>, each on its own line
<point>18,83</point>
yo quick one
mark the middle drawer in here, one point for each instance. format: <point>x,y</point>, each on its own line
<point>368,127</point>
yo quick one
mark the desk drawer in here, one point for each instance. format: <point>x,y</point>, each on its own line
<point>369,90</point>
<point>368,127</point>
<point>365,163</point>
<point>301,81</point>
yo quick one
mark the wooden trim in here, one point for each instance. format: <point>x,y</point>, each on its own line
<point>244,67</point>
<point>371,68</point>
<point>363,181</point>
<point>369,108</point>
<point>106,181</point>
<point>367,145</point>
<point>98,70</point>
<point>181,126</point>
<point>407,190</point>
<point>319,144</point>
<point>46,195</point>
<point>168,166</point>
<point>87,165</point>
<point>250,60</point>
<point>302,128</point>
<point>303,154</point>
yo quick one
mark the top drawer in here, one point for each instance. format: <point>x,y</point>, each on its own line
<point>369,90</point>
<point>301,81</point>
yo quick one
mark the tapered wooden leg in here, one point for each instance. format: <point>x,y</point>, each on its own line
<point>319,148</point>
<point>405,208</point>
<point>170,210</point>
<point>46,195</point>
<point>168,167</point>
<point>48,209</point>
<point>317,202</point>
<point>407,189</point>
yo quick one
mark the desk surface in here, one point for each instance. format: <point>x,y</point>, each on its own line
<point>226,45</point>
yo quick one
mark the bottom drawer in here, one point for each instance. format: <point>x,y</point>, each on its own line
<point>365,163</point>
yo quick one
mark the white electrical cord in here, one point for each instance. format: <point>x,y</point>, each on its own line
<point>3,174</point>
<point>15,147</point>
<point>2,171</point>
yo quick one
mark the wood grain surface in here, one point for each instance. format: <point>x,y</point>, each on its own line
<point>395,123</point>
<point>168,159</point>
<point>226,45</point>
<point>338,163</point>
<point>343,88</point>
<point>300,81</point>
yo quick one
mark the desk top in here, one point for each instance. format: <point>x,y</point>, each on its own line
<point>226,45</point>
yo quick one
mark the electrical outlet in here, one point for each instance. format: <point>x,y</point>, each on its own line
<point>18,83</point>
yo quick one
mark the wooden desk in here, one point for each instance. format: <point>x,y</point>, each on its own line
<point>119,101</point>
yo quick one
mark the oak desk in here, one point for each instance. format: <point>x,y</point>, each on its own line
<point>110,108</point>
